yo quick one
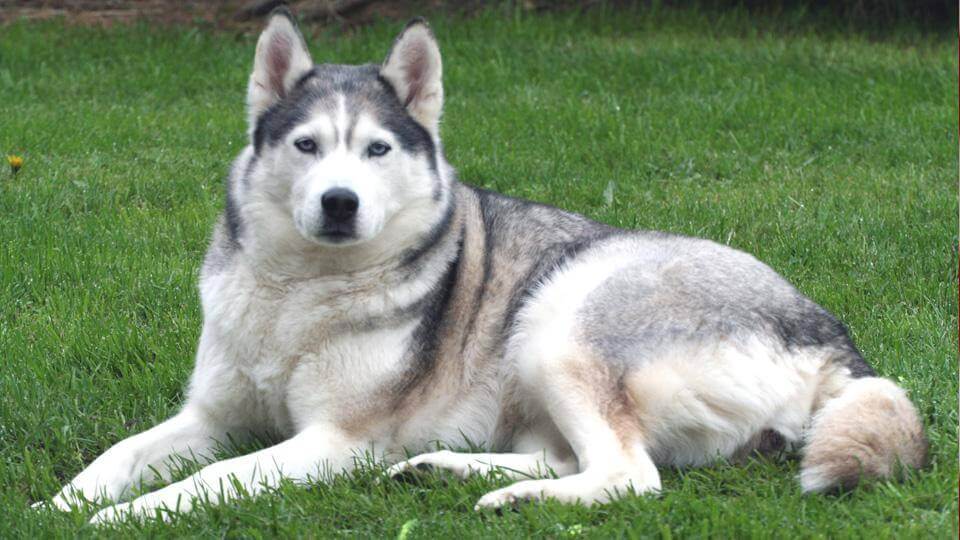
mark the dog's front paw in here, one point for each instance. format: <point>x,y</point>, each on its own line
<point>163,505</point>
<point>61,502</point>
<point>107,479</point>
<point>65,501</point>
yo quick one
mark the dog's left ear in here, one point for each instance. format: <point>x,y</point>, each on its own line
<point>413,68</point>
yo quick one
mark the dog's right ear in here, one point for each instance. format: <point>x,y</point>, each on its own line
<point>413,67</point>
<point>281,59</point>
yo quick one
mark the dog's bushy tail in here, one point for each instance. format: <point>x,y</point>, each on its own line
<point>870,429</point>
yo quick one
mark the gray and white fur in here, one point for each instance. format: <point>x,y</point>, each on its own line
<point>358,299</point>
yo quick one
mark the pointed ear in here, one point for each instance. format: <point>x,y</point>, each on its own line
<point>281,59</point>
<point>414,70</point>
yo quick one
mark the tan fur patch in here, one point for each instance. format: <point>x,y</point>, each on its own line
<point>871,429</point>
<point>596,381</point>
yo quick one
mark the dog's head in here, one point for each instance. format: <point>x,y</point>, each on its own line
<point>346,154</point>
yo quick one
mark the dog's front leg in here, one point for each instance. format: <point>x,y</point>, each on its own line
<point>313,453</point>
<point>190,434</point>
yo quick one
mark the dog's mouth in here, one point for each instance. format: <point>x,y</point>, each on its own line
<point>337,233</point>
<point>336,236</point>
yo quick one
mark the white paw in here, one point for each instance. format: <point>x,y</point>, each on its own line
<point>443,459</point>
<point>65,501</point>
<point>108,478</point>
<point>529,490</point>
<point>62,502</point>
<point>401,468</point>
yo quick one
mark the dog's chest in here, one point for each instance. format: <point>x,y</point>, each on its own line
<point>305,351</point>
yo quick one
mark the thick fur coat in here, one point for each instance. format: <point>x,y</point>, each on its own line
<point>359,300</point>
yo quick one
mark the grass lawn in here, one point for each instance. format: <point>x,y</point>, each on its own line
<point>830,156</point>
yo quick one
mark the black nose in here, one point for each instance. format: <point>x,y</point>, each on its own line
<point>340,204</point>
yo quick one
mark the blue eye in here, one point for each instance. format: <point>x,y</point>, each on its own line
<point>377,149</point>
<point>306,145</point>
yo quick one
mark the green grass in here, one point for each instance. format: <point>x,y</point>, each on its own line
<point>830,156</point>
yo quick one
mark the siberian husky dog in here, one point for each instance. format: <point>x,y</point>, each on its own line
<point>359,301</point>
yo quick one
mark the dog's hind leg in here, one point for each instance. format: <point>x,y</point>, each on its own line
<point>596,416</point>
<point>580,389</point>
